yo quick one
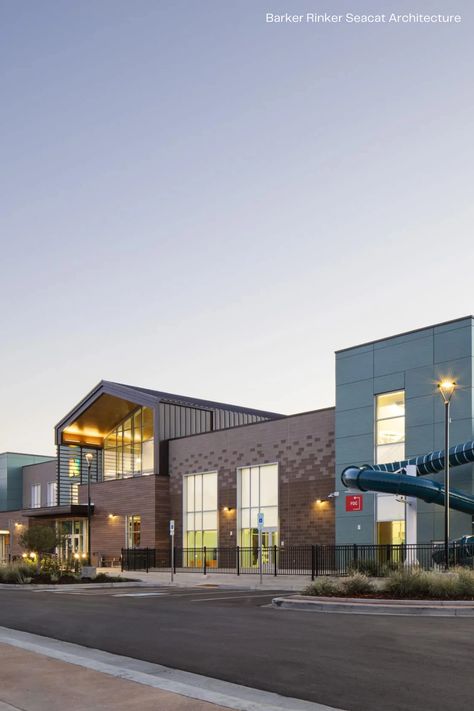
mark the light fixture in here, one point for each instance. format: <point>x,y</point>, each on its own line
<point>229,509</point>
<point>89,457</point>
<point>446,387</point>
<point>111,516</point>
<point>319,501</point>
<point>76,556</point>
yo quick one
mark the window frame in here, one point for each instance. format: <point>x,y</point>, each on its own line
<point>200,511</point>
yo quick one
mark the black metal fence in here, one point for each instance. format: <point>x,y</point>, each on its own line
<point>314,560</point>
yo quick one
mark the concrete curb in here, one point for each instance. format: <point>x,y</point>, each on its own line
<point>74,586</point>
<point>357,606</point>
<point>194,686</point>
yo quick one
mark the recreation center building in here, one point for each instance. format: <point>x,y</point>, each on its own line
<point>213,467</point>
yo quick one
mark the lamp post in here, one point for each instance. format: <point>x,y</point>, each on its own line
<point>446,388</point>
<point>89,459</point>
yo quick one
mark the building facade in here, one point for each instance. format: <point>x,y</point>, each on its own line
<point>388,409</point>
<point>213,468</point>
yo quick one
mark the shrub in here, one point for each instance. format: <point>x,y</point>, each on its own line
<point>16,572</point>
<point>466,582</point>
<point>51,567</point>
<point>365,567</point>
<point>357,584</point>
<point>323,587</point>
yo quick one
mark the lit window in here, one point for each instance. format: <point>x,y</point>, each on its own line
<point>35,496</point>
<point>390,427</point>
<point>200,507</point>
<point>258,493</point>
<point>133,533</point>
<point>128,449</point>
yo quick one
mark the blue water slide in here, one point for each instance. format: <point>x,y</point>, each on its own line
<point>388,479</point>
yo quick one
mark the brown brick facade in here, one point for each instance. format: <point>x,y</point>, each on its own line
<point>146,496</point>
<point>303,447</point>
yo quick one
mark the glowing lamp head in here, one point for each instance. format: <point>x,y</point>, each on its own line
<point>446,387</point>
<point>89,458</point>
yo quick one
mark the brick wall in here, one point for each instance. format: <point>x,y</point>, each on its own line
<point>303,447</point>
<point>15,523</point>
<point>122,498</point>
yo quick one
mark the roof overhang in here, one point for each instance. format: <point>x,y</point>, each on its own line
<point>99,412</point>
<point>79,510</point>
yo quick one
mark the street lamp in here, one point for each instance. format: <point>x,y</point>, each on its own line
<point>89,459</point>
<point>446,388</point>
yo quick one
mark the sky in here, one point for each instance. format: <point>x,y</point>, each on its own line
<point>198,201</point>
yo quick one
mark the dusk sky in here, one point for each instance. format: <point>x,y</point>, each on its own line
<point>198,201</point>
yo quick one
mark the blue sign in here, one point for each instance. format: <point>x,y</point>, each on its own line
<point>260,520</point>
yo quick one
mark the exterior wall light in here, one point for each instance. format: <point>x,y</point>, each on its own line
<point>112,516</point>
<point>229,509</point>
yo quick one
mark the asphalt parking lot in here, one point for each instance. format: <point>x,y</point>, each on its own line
<point>357,663</point>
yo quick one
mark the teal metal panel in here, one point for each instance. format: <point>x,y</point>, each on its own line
<point>354,395</point>
<point>452,345</point>
<point>357,367</point>
<point>403,356</point>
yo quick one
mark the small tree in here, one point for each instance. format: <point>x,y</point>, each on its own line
<point>39,539</point>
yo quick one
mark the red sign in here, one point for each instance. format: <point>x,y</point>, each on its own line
<point>354,502</point>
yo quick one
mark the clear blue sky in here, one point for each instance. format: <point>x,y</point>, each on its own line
<point>197,201</point>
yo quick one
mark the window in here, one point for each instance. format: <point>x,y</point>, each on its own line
<point>51,493</point>
<point>35,496</point>
<point>200,507</point>
<point>258,493</point>
<point>128,449</point>
<point>390,447</point>
<point>133,532</point>
<point>390,427</point>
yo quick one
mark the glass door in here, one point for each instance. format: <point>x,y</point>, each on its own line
<point>269,541</point>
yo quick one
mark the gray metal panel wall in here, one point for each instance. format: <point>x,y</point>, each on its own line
<point>72,469</point>
<point>412,362</point>
<point>178,421</point>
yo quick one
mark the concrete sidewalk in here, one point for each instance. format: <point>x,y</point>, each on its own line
<point>222,580</point>
<point>33,682</point>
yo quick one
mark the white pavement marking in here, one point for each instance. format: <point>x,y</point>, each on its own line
<point>194,686</point>
<point>242,596</point>
<point>150,594</point>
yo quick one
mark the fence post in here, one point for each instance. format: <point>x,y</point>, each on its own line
<point>275,559</point>
<point>204,562</point>
<point>355,553</point>
<point>238,560</point>
<point>313,561</point>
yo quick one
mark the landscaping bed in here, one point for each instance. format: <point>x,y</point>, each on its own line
<point>409,584</point>
<point>25,573</point>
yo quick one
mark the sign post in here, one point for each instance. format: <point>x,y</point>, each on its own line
<point>172,549</point>
<point>260,520</point>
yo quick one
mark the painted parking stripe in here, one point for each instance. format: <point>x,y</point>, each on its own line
<point>140,594</point>
<point>235,597</point>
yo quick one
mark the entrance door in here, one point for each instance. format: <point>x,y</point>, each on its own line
<point>73,540</point>
<point>269,541</point>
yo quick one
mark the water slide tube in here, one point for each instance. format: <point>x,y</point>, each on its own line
<point>388,479</point>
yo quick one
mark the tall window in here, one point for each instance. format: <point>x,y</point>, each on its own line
<point>200,506</point>
<point>134,531</point>
<point>258,493</point>
<point>390,427</point>
<point>128,449</point>
<point>35,496</point>
<point>51,493</point>
<point>390,447</point>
